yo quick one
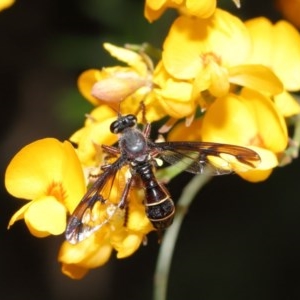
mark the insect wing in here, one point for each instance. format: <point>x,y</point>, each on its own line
<point>94,210</point>
<point>206,157</point>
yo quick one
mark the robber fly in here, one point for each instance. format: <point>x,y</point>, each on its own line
<point>136,151</point>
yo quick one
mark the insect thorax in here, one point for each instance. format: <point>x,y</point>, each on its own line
<point>133,144</point>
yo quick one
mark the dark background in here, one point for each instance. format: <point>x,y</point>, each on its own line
<point>239,240</point>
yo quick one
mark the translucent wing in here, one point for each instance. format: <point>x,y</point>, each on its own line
<point>94,210</point>
<point>214,158</point>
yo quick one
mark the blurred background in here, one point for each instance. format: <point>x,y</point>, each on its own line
<point>238,241</point>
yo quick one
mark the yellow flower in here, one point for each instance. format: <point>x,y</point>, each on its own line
<point>123,232</point>
<point>277,46</point>
<point>6,4</point>
<point>129,85</point>
<point>174,96</point>
<point>48,173</point>
<point>209,56</point>
<point>94,134</point>
<point>251,120</point>
<point>93,252</point>
<point>196,8</point>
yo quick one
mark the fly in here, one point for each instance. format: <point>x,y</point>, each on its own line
<point>136,151</point>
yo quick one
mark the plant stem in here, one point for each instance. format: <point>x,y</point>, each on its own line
<point>170,237</point>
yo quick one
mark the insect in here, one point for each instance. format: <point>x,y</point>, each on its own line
<point>140,154</point>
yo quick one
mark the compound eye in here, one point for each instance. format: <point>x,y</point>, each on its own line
<point>114,127</point>
<point>131,120</point>
<point>122,123</point>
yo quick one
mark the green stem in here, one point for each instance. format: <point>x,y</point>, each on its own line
<point>170,237</point>
<point>292,151</point>
<point>296,136</point>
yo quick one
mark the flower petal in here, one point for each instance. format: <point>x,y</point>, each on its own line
<point>200,9</point>
<point>248,119</point>
<point>126,243</point>
<point>73,181</point>
<point>85,252</point>
<point>46,216</point>
<point>74,271</point>
<point>175,98</point>
<point>271,125</point>
<point>278,47</point>
<point>228,120</point>
<point>263,171</point>
<point>154,9</point>
<point>132,58</point>
<point>18,215</point>
<point>287,50</point>
<point>86,81</point>
<point>35,167</point>
<point>256,77</point>
<point>189,40</point>
<point>6,4</point>
<point>287,104</point>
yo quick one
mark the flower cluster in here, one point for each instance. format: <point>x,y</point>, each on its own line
<point>218,79</point>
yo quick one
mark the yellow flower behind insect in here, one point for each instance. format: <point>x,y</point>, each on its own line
<point>200,9</point>
<point>207,58</point>
<point>251,120</point>
<point>94,134</point>
<point>277,46</point>
<point>48,175</point>
<point>129,85</point>
<point>53,185</point>
<point>121,229</point>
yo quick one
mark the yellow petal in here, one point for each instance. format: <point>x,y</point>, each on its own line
<point>200,9</point>
<point>85,83</point>
<point>180,132</point>
<point>18,215</point>
<point>126,243</point>
<point>229,121</point>
<point>137,219</point>
<point>116,89</point>
<point>278,47</point>
<point>73,180</point>
<point>189,40</point>
<point>256,77</point>
<point>287,50</point>
<point>90,253</point>
<point>46,216</point>
<point>287,104</point>
<point>6,4</point>
<point>219,86</point>
<point>37,166</point>
<point>175,98</point>
<point>86,138</point>
<point>264,169</point>
<point>271,125</point>
<point>74,271</point>
<point>256,175</point>
<point>261,32</point>
<point>95,133</point>
<point>127,56</point>
<point>154,9</point>
<point>249,119</point>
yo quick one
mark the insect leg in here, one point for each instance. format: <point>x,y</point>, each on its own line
<point>123,199</point>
